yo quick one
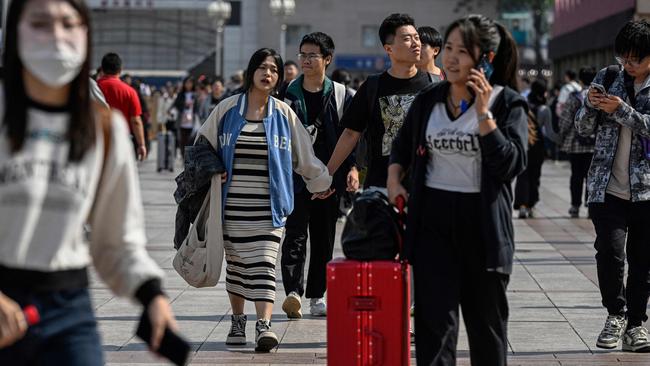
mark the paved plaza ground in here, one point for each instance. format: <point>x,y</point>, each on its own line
<point>555,310</point>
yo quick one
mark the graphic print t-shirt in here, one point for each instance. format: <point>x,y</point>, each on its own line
<point>454,151</point>
<point>394,98</point>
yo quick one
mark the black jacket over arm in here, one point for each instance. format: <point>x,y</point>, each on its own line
<point>503,153</point>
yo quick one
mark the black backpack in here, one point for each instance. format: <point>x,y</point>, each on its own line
<point>373,230</point>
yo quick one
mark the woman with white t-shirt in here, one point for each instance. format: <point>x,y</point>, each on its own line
<point>463,141</point>
<point>64,161</point>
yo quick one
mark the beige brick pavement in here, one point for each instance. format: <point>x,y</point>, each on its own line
<point>554,300</point>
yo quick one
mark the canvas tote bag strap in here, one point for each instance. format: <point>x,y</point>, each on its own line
<point>213,224</point>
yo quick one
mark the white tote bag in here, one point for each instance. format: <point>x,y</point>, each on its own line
<point>200,257</point>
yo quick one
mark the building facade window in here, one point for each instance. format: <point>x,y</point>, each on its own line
<point>295,32</point>
<point>235,13</point>
<point>370,36</point>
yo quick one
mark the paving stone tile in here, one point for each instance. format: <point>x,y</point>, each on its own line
<point>555,310</point>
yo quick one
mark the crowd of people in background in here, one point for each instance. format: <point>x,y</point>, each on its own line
<point>449,140</point>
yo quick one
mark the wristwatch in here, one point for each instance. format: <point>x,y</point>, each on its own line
<point>485,116</point>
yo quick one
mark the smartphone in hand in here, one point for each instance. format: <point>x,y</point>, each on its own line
<point>486,66</point>
<point>600,88</point>
<point>172,346</point>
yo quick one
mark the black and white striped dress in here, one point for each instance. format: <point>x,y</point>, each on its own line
<point>251,242</point>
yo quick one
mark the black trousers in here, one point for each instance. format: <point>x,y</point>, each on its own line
<point>319,217</point>
<point>612,220</point>
<point>579,168</point>
<point>450,271</point>
<point>184,139</point>
<point>527,186</point>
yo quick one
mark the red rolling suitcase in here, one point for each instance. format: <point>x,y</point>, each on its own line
<point>368,313</point>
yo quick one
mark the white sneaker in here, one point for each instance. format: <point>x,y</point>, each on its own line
<point>612,332</point>
<point>636,340</point>
<point>291,306</point>
<point>317,307</point>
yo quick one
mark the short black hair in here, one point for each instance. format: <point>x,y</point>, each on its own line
<point>391,23</point>
<point>633,39</point>
<point>571,74</point>
<point>256,60</point>
<point>430,36</point>
<point>587,75</point>
<point>320,39</point>
<point>290,63</point>
<point>111,64</point>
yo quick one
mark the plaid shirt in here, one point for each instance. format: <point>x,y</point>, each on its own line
<point>570,144</point>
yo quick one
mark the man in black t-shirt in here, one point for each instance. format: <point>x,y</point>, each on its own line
<point>380,106</point>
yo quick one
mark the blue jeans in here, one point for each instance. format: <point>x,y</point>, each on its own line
<point>66,334</point>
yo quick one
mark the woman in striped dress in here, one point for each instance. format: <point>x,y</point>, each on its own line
<point>261,142</point>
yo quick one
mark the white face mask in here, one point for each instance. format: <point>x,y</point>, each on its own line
<point>55,61</point>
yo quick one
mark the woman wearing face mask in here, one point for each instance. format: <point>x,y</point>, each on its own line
<point>463,141</point>
<point>64,161</point>
<point>261,141</point>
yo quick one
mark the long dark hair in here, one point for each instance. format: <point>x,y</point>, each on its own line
<point>488,35</point>
<point>256,60</point>
<point>81,133</point>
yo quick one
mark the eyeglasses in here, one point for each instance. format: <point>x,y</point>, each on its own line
<point>309,56</point>
<point>622,61</point>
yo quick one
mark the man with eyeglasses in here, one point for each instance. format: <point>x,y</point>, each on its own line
<point>319,103</point>
<point>617,110</point>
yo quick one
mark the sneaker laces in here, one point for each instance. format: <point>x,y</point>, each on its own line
<point>612,326</point>
<point>263,325</point>
<point>238,324</point>
<point>638,334</point>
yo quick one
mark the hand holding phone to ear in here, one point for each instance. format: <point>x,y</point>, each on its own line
<point>482,89</point>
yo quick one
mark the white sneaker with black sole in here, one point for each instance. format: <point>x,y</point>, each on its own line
<point>237,335</point>
<point>612,332</point>
<point>291,306</point>
<point>266,340</point>
<point>636,340</point>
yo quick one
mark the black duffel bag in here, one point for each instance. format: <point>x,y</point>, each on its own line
<point>373,230</point>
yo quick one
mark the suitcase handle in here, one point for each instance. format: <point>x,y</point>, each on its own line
<point>400,204</point>
<point>376,351</point>
<point>360,303</point>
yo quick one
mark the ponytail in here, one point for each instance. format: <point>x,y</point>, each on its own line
<point>506,60</point>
